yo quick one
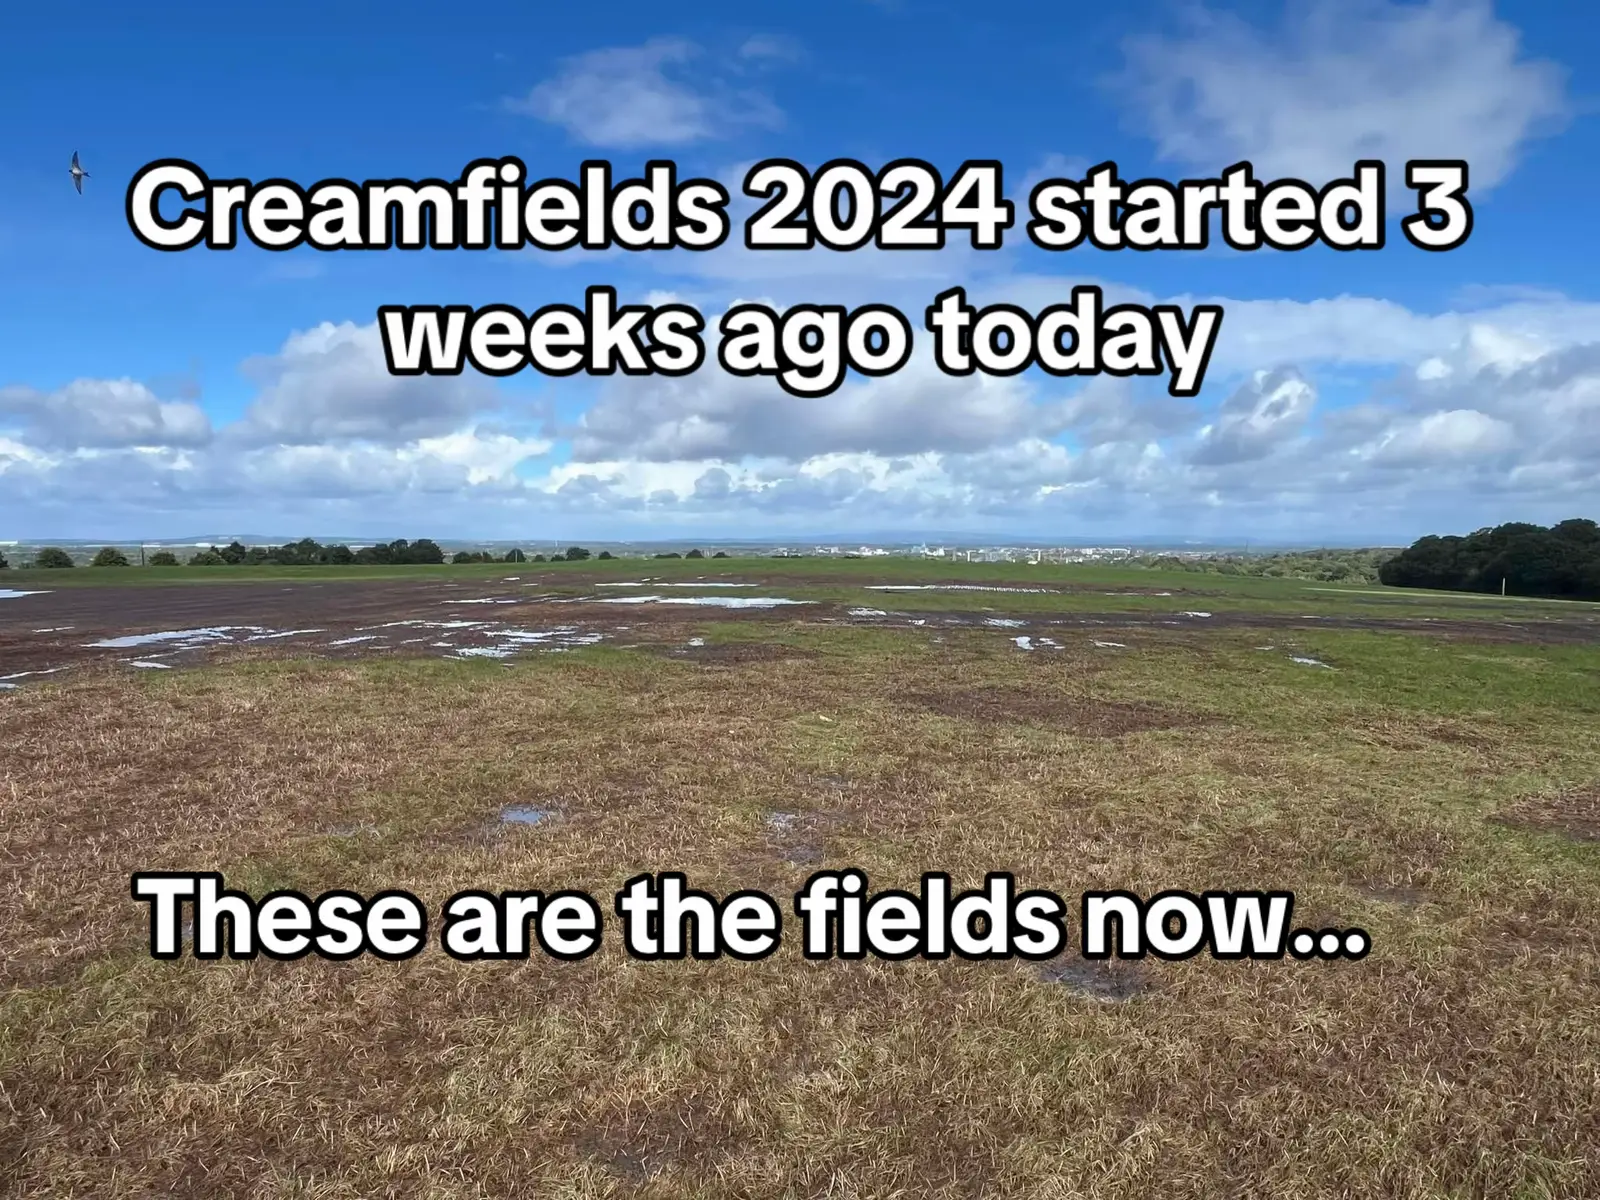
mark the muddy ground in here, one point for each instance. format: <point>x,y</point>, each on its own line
<point>46,632</point>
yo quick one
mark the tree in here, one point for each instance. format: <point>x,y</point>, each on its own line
<point>1527,560</point>
<point>694,554</point>
<point>110,556</point>
<point>670,554</point>
<point>576,554</point>
<point>464,556</point>
<point>3,563</point>
<point>720,554</point>
<point>163,558</point>
<point>208,558</point>
<point>424,550</point>
<point>606,554</point>
<point>233,553</point>
<point>538,558</point>
<point>515,555</point>
<point>339,556</point>
<point>52,558</point>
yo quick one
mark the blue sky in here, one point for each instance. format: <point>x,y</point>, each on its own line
<point>1356,396</point>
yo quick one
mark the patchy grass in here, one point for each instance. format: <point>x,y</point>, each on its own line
<point>1457,1060</point>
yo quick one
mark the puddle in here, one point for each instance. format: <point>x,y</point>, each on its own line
<point>351,641</point>
<point>267,637</point>
<point>1108,645</point>
<point>54,629</point>
<point>1023,643</point>
<point>703,585</point>
<point>697,641</point>
<point>868,612</point>
<point>485,600</point>
<point>1004,622</point>
<point>1194,614</point>
<point>219,633</point>
<point>13,594</point>
<point>524,815</point>
<point>9,687</point>
<point>1095,980</point>
<point>955,587</point>
<point>1309,662</point>
<point>25,674</point>
<point>153,666</point>
<point>707,601</point>
<point>634,583</point>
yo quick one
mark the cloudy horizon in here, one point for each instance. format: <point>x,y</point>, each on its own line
<point>1371,396</point>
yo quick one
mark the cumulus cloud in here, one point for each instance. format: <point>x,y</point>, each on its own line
<point>714,415</point>
<point>1343,80</point>
<point>1454,418</point>
<point>101,413</point>
<point>332,382</point>
<point>627,97</point>
<point>1270,409</point>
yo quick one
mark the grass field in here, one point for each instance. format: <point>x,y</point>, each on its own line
<point>1441,791</point>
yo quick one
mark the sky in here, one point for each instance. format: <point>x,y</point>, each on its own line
<point>1352,397</point>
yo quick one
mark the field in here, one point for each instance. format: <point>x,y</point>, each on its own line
<point>1425,767</point>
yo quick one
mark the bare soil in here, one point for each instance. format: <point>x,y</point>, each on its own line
<point>54,629</point>
<point>1576,814</point>
<point>1081,715</point>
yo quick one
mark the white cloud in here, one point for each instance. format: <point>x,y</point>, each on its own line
<point>1340,81</point>
<point>332,382</point>
<point>103,413</point>
<point>714,415</point>
<point>1270,409</point>
<point>627,97</point>
<point>1476,416</point>
<point>1459,434</point>
<point>769,46</point>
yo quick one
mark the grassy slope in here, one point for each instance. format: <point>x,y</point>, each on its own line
<point>1457,1060</point>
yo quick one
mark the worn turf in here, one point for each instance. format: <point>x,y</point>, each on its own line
<point>1432,790</point>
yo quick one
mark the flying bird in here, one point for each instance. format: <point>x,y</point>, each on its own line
<point>78,173</point>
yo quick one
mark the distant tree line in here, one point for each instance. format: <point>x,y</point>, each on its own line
<point>1323,566</point>
<point>1559,562</point>
<point>308,552</point>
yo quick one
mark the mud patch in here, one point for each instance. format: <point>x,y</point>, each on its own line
<point>1107,982</point>
<point>1392,893</point>
<point>732,654</point>
<point>1574,814</point>
<point>1080,715</point>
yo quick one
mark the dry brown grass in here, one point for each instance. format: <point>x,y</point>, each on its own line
<point>1574,813</point>
<point>1462,1058</point>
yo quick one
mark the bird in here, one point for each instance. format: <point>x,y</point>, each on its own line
<point>78,173</point>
